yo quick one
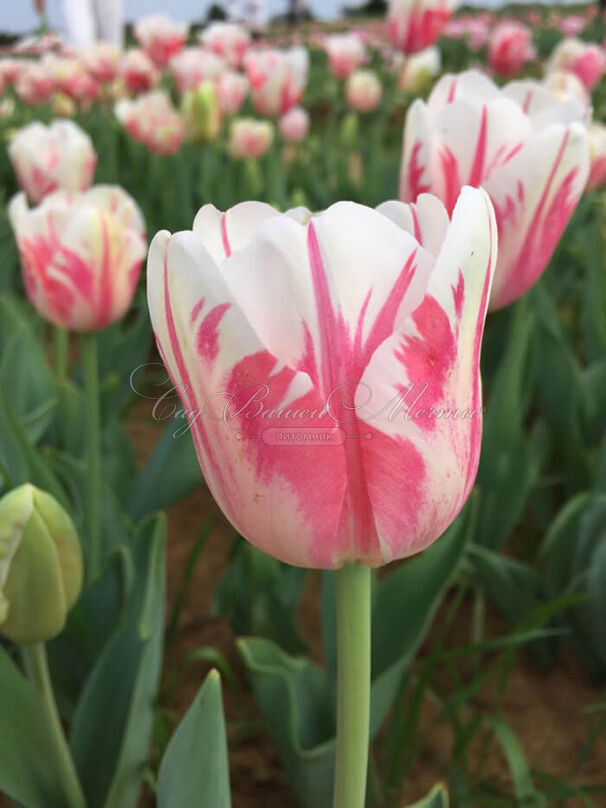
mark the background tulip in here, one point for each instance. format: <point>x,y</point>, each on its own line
<point>586,60</point>
<point>419,69</point>
<point>228,40</point>
<point>152,119</point>
<point>277,78</point>
<point>363,90</point>
<point>232,88</point>
<point>160,37</point>
<point>415,24</point>
<point>346,52</point>
<point>370,302</point>
<point>46,158</point>
<point>138,71</point>
<point>193,66</point>
<point>250,138</point>
<point>510,48</point>
<point>526,148</point>
<point>81,255</point>
<point>294,126</point>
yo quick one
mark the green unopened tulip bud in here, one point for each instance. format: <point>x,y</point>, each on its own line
<point>40,565</point>
<point>201,113</point>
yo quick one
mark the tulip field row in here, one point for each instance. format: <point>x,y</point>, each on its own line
<point>303,414</point>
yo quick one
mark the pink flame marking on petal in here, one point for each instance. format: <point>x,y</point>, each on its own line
<point>429,356</point>
<point>224,236</point>
<point>476,174</point>
<point>336,363</point>
<point>543,230</point>
<point>527,100</point>
<point>458,295</point>
<point>416,226</point>
<point>207,336</point>
<point>416,186</point>
<point>452,182</point>
<point>105,293</point>
<point>452,93</point>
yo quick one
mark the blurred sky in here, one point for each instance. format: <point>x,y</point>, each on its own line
<point>18,15</point>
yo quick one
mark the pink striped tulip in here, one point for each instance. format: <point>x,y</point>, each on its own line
<point>585,59</point>
<point>35,85</point>
<point>346,52</point>
<point>228,40</point>
<point>291,337</point>
<point>528,150</point>
<point>46,158</point>
<point>510,48</point>
<point>81,255</point>
<point>102,61</point>
<point>232,89</point>
<point>277,79</point>
<point>160,37</point>
<point>250,138</point>
<point>416,24</point>
<point>597,150</point>
<point>193,66</point>
<point>152,119</point>
<point>138,72</point>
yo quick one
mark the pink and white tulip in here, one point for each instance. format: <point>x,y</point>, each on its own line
<point>35,85</point>
<point>46,158</point>
<point>528,150</point>
<point>510,48</point>
<point>250,138</point>
<point>597,152</point>
<point>277,78</point>
<point>160,37</point>
<point>138,72</point>
<point>346,52</point>
<point>232,89</point>
<point>416,24</point>
<point>585,59</point>
<point>152,119</point>
<point>193,66</point>
<point>363,91</point>
<point>565,86</point>
<point>102,61</point>
<point>294,125</point>
<point>81,255</point>
<point>228,40</point>
<point>329,368</point>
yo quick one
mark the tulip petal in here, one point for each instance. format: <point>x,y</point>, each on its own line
<point>534,196</point>
<point>420,396</point>
<point>284,496</point>
<point>323,296</point>
<point>224,232</point>
<point>426,220</point>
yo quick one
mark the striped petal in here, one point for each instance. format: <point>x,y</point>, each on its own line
<point>420,396</point>
<point>286,498</point>
<point>224,232</point>
<point>534,196</point>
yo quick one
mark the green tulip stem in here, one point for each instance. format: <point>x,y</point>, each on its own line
<point>36,664</point>
<point>353,601</point>
<point>61,340</point>
<point>93,453</point>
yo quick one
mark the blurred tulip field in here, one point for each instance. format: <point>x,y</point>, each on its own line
<point>193,615</point>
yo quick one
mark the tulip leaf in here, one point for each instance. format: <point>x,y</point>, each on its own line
<point>113,720</point>
<point>156,488</point>
<point>25,376</point>
<point>519,769</point>
<point>295,696</point>
<point>195,769</point>
<point>437,798</point>
<point>28,774</point>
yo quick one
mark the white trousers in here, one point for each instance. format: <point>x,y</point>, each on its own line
<point>90,21</point>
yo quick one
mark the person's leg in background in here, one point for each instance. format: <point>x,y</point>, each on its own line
<point>109,16</point>
<point>80,22</point>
